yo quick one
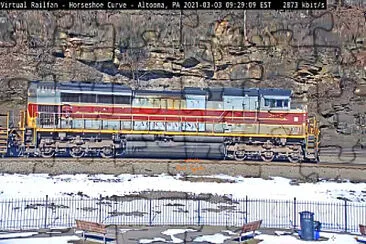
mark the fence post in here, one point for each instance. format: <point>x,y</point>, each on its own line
<point>45,213</point>
<point>100,209</point>
<point>295,213</point>
<point>150,212</point>
<point>246,209</point>
<point>345,215</point>
<point>199,212</point>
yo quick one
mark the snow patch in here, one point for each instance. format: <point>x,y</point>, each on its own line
<point>156,239</point>
<point>173,232</point>
<point>50,240</point>
<point>82,185</point>
<point>17,235</point>
<point>216,238</point>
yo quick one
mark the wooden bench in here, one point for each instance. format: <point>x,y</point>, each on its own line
<point>87,226</point>
<point>250,227</point>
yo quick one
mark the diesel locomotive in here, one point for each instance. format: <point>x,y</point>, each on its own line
<point>77,120</point>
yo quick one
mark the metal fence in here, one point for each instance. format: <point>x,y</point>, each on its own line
<point>23,214</point>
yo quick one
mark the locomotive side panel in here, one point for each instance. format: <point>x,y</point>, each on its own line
<point>102,116</point>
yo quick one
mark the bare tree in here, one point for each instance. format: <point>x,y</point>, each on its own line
<point>134,58</point>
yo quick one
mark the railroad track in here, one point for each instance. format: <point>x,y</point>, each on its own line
<point>342,151</point>
<point>200,167</point>
<point>347,164</point>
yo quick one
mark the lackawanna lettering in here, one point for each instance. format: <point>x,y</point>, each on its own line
<point>19,5</point>
<point>44,5</point>
<point>151,5</point>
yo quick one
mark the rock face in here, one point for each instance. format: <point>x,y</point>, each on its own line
<point>320,55</point>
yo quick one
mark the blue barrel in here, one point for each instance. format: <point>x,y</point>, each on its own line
<point>317,227</point>
<point>307,226</point>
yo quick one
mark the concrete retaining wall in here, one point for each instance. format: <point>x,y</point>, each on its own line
<point>190,167</point>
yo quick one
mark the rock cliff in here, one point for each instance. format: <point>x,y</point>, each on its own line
<point>320,55</point>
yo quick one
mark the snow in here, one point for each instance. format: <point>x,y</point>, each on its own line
<point>333,239</point>
<point>250,233</point>
<point>126,230</point>
<point>216,238</point>
<point>40,185</point>
<point>51,240</point>
<point>172,232</point>
<point>229,232</point>
<point>361,239</point>
<point>176,211</point>
<point>287,239</point>
<point>156,239</point>
<point>14,235</point>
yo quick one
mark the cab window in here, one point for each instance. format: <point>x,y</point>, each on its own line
<point>276,103</point>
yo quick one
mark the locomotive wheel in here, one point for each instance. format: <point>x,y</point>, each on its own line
<point>107,152</point>
<point>77,152</point>
<point>47,152</point>
<point>294,157</point>
<point>267,156</point>
<point>240,155</point>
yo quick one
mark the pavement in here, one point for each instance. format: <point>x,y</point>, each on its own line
<point>141,234</point>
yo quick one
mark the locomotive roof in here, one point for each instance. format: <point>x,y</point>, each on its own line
<point>216,93</point>
<point>213,93</point>
<point>274,92</point>
<point>83,86</point>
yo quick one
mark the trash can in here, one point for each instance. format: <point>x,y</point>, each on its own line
<point>307,226</point>
<point>317,227</point>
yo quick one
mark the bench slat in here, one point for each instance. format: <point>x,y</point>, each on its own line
<point>252,226</point>
<point>91,226</point>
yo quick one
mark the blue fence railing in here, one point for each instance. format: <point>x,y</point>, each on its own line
<point>22,214</point>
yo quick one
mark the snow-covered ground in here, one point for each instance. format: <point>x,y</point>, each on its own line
<point>42,240</point>
<point>222,236</point>
<point>217,238</point>
<point>76,197</point>
<point>40,185</point>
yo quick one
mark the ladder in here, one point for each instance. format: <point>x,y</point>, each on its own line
<point>3,141</point>
<point>312,139</point>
